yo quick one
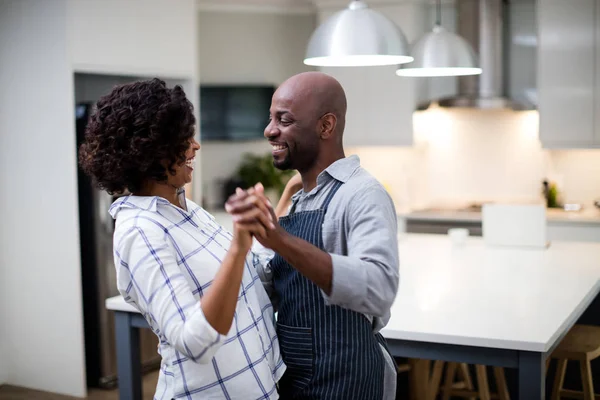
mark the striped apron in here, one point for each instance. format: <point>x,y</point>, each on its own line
<point>330,352</point>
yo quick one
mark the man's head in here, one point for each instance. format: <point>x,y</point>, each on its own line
<point>307,119</point>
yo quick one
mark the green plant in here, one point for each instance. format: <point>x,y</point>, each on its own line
<point>254,169</point>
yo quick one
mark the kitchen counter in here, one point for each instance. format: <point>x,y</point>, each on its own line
<point>500,297</point>
<point>471,303</point>
<point>588,216</point>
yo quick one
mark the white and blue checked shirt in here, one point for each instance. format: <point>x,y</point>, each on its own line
<point>166,258</point>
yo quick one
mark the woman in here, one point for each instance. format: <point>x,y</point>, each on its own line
<point>193,282</point>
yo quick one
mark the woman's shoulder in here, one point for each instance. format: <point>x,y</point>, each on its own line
<point>131,222</point>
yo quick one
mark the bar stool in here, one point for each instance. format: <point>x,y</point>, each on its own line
<point>582,344</point>
<point>464,388</point>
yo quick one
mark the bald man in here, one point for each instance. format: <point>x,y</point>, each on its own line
<point>334,274</point>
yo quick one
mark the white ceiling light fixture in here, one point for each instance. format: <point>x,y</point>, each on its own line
<point>441,53</point>
<point>357,36</point>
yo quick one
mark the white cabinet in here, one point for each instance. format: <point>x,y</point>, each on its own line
<point>567,75</point>
<point>574,232</point>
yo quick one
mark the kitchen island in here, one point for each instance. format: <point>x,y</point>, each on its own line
<point>468,303</point>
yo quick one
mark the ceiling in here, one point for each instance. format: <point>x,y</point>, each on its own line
<point>308,4</point>
<point>293,6</point>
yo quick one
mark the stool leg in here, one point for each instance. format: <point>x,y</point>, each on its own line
<point>465,376</point>
<point>483,386</point>
<point>449,380</point>
<point>419,376</point>
<point>561,368</point>
<point>586,380</point>
<point>436,377</point>
<point>501,383</point>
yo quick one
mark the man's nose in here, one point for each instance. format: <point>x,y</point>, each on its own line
<point>271,131</point>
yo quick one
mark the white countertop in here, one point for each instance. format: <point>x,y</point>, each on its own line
<point>118,303</point>
<point>587,216</point>
<point>510,298</point>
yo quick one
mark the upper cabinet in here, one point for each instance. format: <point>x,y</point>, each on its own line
<point>568,34</point>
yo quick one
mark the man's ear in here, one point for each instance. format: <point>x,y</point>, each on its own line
<point>327,126</point>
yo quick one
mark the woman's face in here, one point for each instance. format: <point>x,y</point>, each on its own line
<point>184,171</point>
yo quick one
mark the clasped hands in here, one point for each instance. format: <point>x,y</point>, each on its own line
<point>251,206</point>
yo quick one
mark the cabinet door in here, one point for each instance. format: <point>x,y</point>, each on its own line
<point>566,65</point>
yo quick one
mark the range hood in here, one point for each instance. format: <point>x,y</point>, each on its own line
<point>481,23</point>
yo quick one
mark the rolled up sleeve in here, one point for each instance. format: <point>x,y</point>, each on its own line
<point>150,278</point>
<point>261,258</point>
<point>366,278</point>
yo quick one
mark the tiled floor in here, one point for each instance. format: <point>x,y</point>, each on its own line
<point>13,393</point>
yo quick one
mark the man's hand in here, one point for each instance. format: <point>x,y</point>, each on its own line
<point>311,261</point>
<point>244,205</point>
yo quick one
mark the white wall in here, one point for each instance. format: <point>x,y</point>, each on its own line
<point>576,172</point>
<point>39,230</point>
<point>41,45</point>
<point>139,37</point>
<point>464,156</point>
<point>246,48</point>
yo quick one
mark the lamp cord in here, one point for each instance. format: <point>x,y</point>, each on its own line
<point>438,13</point>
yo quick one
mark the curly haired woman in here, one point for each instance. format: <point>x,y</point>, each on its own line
<point>193,281</point>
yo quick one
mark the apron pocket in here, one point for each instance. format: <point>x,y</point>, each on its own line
<point>297,349</point>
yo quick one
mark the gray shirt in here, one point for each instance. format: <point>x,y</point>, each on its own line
<point>360,233</point>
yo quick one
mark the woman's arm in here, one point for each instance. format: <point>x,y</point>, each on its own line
<point>293,185</point>
<point>150,276</point>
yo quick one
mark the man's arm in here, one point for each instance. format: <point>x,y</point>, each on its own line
<point>366,278</point>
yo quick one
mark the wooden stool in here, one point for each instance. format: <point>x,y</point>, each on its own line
<point>582,343</point>
<point>464,388</point>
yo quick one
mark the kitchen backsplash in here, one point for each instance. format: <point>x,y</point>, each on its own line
<point>463,156</point>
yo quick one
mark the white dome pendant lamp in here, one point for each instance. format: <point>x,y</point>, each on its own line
<point>357,37</point>
<point>441,53</point>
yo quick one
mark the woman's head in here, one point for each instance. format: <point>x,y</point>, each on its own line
<point>140,133</point>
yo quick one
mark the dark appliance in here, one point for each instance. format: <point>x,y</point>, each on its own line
<point>98,278</point>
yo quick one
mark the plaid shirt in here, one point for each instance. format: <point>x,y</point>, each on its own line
<point>166,258</point>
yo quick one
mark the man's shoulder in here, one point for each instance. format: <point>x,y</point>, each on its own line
<point>362,183</point>
<point>361,188</point>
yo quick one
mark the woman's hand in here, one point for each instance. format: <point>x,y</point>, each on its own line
<point>254,211</point>
<point>242,238</point>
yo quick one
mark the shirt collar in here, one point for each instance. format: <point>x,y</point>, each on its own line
<point>340,170</point>
<point>147,203</point>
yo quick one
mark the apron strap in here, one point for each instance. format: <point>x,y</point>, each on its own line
<point>330,195</point>
<point>325,204</point>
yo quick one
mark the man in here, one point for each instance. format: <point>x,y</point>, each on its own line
<point>334,276</point>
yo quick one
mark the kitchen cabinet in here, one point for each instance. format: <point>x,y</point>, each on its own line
<point>567,74</point>
<point>573,232</point>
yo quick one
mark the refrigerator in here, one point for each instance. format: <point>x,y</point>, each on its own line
<point>98,275</point>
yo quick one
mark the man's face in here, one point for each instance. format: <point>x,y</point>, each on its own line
<point>292,131</point>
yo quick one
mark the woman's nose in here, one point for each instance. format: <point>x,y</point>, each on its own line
<point>195,144</point>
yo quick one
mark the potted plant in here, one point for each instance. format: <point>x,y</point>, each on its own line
<point>259,168</point>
